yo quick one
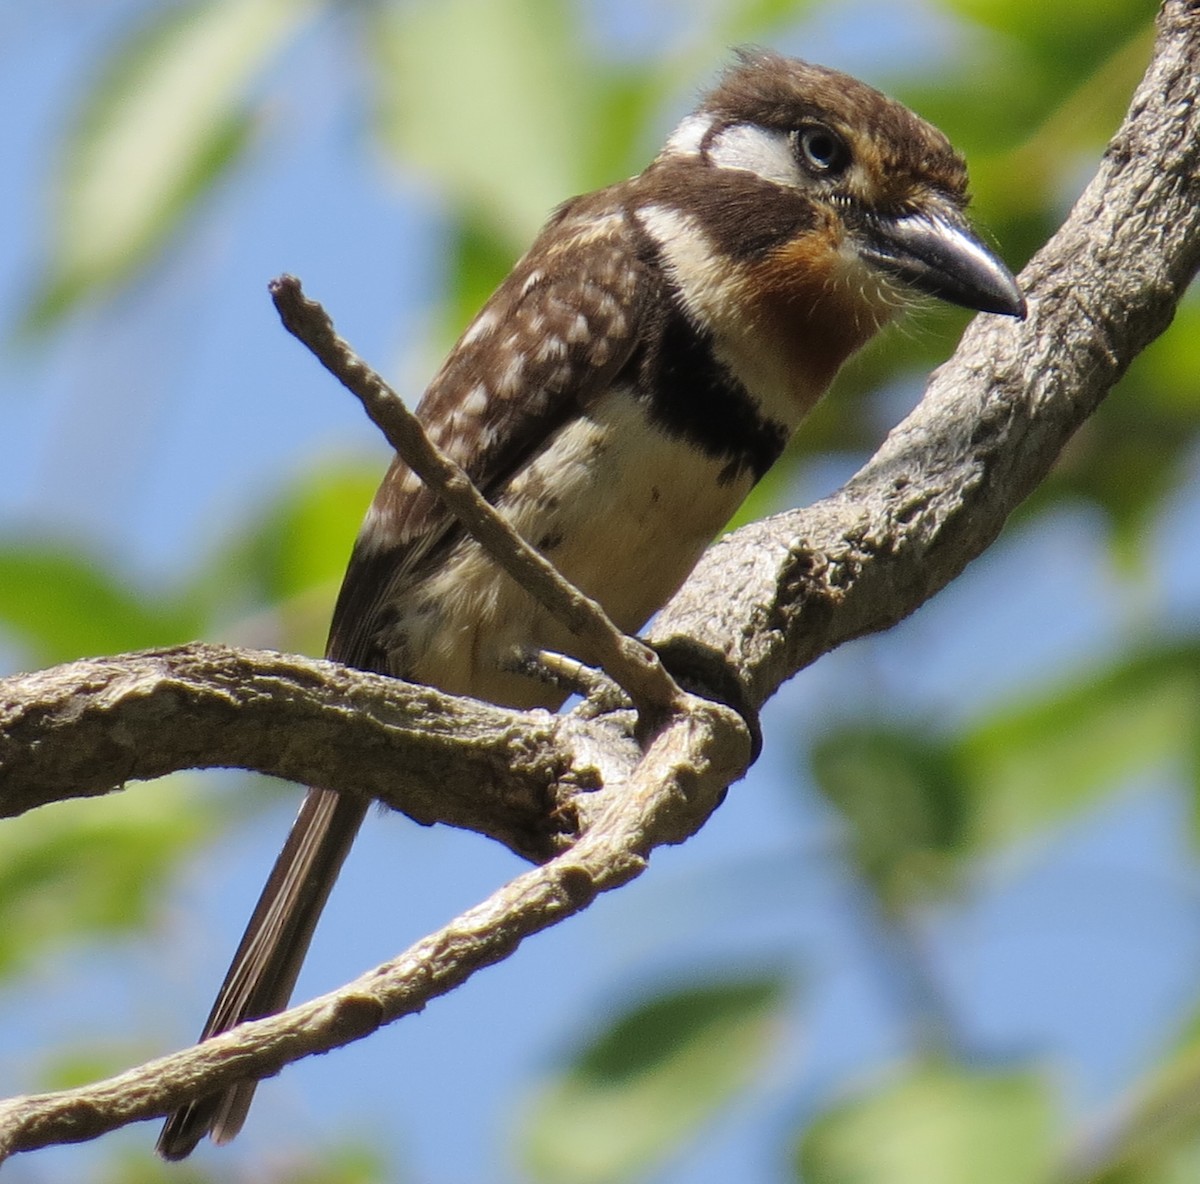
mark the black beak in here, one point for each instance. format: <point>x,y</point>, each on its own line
<point>938,252</point>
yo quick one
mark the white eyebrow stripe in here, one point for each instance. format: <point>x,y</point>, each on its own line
<point>758,150</point>
<point>689,135</point>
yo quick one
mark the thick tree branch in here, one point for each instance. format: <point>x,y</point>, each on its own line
<point>89,726</point>
<point>776,595</point>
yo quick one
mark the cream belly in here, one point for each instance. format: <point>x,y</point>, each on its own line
<point>622,510</point>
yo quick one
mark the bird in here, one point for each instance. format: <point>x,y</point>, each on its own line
<point>623,389</point>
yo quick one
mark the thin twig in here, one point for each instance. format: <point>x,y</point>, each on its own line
<point>630,664</point>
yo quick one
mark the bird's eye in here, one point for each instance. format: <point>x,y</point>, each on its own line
<point>821,151</point>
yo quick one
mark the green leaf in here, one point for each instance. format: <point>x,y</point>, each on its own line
<point>1029,178</point>
<point>1179,1164</point>
<point>1043,760</point>
<point>1073,38</point>
<point>490,97</point>
<point>59,606</point>
<point>1138,449</point>
<point>305,538</point>
<point>89,867</point>
<point>164,122</point>
<point>905,804</point>
<point>70,1066</point>
<point>748,20</point>
<point>303,1160</point>
<point>1126,460</point>
<point>935,1125</point>
<point>1154,1136</point>
<point>916,807</point>
<point>1170,366</point>
<point>293,557</point>
<point>651,1080</point>
<point>479,258</point>
<point>125,1164</point>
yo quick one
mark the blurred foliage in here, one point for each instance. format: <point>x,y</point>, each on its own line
<point>516,52</point>
<point>505,108</point>
<point>89,868</point>
<point>61,604</point>
<point>289,559</point>
<point>650,1080</point>
<point>1035,763</point>
<point>934,1124</point>
<point>167,117</point>
<point>904,799</point>
<point>920,808</point>
<point>346,1163</point>
<point>1154,1139</point>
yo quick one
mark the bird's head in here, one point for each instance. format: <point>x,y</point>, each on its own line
<point>825,192</point>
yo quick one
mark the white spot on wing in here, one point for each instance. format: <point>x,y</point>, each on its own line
<point>606,305</point>
<point>578,330</point>
<point>476,401</point>
<point>510,376</point>
<point>483,324</point>
<point>460,444</point>
<point>550,347</point>
<point>583,232</point>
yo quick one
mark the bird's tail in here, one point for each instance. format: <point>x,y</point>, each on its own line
<point>267,963</point>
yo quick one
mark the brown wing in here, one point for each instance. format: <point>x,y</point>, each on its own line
<point>554,335</point>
